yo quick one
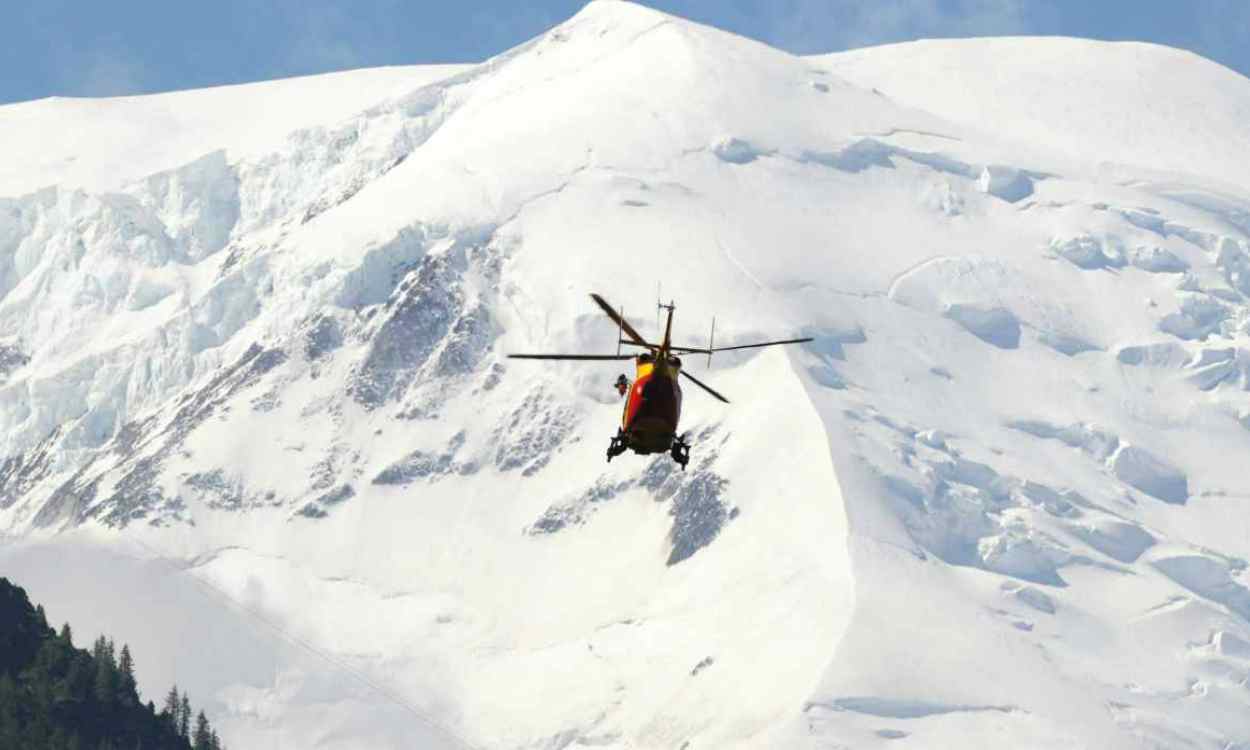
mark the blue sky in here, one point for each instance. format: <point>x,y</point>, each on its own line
<point>91,48</point>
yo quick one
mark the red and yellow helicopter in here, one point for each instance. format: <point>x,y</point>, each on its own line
<point>653,400</point>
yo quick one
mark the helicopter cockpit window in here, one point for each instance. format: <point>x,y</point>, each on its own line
<point>646,357</point>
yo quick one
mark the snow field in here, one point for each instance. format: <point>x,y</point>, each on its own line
<point>995,501</point>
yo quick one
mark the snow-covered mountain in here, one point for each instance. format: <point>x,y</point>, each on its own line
<point>256,417</point>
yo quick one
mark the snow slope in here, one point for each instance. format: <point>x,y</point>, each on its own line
<point>1102,105</point>
<point>996,500</point>
<point>103,144</point>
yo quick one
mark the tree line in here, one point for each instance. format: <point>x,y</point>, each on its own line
<point>54,696</point>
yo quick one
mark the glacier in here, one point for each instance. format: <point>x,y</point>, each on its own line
<point>257,419</point>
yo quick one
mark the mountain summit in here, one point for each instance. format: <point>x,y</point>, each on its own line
<point>255,410</point>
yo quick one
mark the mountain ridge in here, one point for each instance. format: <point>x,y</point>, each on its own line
<point>282,373</point>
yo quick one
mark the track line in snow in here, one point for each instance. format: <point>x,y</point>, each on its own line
<point>908,131</point>
<point>898,277</point>
<point>738,265</point>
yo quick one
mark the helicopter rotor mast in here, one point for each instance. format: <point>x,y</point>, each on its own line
<point>667,345</point>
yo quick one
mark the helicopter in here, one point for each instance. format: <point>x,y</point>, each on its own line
<point>653,400</point>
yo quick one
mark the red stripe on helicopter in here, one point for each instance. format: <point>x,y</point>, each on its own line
<point>634,403</point>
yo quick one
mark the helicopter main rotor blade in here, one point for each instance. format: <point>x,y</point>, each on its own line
<point>704,386</point>
<point>681,349</point>
<point>644,345</point>
<point>620,321</point>
<point>762,343</point>
<point>591,357</point>
<point>698,350</point>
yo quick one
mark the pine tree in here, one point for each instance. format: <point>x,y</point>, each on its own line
<point>203,733</point>
<point>67,635</point>
<point>105,673</point>
<point>59,740</point>
<point>184,718</point>
<point>10,718</point>
<point>171,710</point>
<point>48,690</point>
<point>79,678</point>
<point>126,688</point>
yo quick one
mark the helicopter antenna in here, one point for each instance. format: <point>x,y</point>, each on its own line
<point>711,343</point>
<point>667,341</point>
<point>620,330</point>
<point>658,307</point>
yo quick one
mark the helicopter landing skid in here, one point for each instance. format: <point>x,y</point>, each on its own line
<point>680,452</point>
<point>617,446</point>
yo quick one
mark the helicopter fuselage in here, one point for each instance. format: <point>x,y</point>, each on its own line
<point>653,405</point>
<point>653,401</point>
